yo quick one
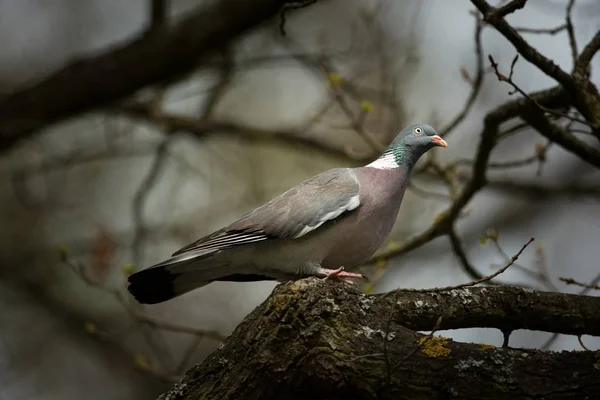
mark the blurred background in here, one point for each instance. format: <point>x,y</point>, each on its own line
<point>91,199</point>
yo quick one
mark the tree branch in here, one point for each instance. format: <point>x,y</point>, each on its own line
<point>588,53</point>
<point>119,72</point>
<point>201,128</point>
<point>495,18</point>
<point>584,94</point>
<point>159,10</point>
<point>501,307</point>
<point>496,14</point>
<point>536,118</point>
<point>314,339</point>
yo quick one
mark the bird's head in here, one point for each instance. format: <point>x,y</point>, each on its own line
<point>409,145</point>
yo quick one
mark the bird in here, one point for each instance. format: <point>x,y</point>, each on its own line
<point>326,227</point>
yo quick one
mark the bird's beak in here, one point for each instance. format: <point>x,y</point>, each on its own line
<point>439,141</point>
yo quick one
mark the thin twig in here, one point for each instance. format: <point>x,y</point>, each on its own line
<point>356,122</point>
<point>199,334</point>
<point>200,129</point>
<point>571,31</point>
<point>426,193</point>
<point>588,52</point>
<point>495,17</point>
<point>460,253</point>
<point>539,156</point>
<point>141,197</point>
<point>476,84</point>
<point>581,343</point>
<point>585,290</point>
<point>508,79</point>
<point>226,72</point>
<point>542,31</point>
<point>541,276</point>
<point>571,281</point>
<point>483,279</point>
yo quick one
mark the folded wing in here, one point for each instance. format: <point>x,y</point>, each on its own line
<point>293,214</point>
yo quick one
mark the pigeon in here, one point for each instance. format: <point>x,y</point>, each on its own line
<point>325,227</point>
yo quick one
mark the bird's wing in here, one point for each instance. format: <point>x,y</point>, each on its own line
<point>293,214</point>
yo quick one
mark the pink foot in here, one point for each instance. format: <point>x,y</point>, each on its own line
<point>340,274</point>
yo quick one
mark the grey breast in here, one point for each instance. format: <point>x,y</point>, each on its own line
<point>360,234</point>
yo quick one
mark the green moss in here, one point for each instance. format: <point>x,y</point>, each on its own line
<point>434,346</point>
<point>280,303</point>
<point>485,347</point>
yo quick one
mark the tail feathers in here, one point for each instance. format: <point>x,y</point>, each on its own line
<point>174,277</point>
<point>153,285</point>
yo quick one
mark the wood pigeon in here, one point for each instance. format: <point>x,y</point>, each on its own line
<point>330,223</point>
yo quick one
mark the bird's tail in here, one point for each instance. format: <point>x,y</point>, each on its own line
<point>174,277</point>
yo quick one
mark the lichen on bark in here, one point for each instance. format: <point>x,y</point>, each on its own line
<point>322,340</point>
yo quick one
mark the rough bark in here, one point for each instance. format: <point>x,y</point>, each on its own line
<point>324,340</point>
<point>119,72</point>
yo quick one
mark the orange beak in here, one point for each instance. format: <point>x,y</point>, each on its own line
<point>439,141</point>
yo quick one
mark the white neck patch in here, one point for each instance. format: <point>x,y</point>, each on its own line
<point>387,161</point>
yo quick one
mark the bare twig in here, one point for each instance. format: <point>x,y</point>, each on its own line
<point>458,250</point>
<point>539,157</point>
<point>142,194</point>
<point>571,281</point>
<point>173,123</point>
<point>541,276</point>
<point>199,334</point>
<point>542,31</point>
<point>356,122</point>
<point>496,18</point>
<point>226,73</point>
<point>486,278</point>
<point>496,14</point>
<point>588,52</point>
<point>426,193</point>
<point>508,79</point>
<point>585,95</point>
<point>560,135</point>
<point>585,290</point>
<point>581,343</point>
<point>475,83</point>
<point>571,31</point>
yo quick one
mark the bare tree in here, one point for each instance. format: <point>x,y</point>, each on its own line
<point>310,338</point>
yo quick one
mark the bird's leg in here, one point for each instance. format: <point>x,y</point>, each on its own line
<point>340,274</point>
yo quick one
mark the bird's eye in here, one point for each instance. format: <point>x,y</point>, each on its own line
<point>418,130</point>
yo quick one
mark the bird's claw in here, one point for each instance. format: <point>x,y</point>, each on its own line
<point>340,274</point>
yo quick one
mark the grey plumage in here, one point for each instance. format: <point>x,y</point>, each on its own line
<point>338,218</point>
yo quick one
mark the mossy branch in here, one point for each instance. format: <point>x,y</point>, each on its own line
<point>323,340</point>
